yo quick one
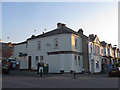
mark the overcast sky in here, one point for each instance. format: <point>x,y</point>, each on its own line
<point>20,19</point>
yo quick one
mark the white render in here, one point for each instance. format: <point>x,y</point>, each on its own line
<point>93,57</point>
<point>56,62</point>
<point>22,60</point>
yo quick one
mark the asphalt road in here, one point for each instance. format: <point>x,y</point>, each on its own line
<point>30,79</point>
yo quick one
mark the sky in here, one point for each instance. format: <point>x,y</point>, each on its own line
<point>20,19</point>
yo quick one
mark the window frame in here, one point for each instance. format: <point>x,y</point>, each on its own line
<point>97,64</point>
<point>75,58</point>
<point>41,59</point>
<point>76,42</point>
<point>78,60</point>
<point>56,44</point>
<point>38,45</point>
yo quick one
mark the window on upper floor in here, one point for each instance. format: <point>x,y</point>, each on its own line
<point>98,50</point>
<point>91,48</point>
<point>76,41</point>
<point>56,43</point>
<point>101,51</point>
<point>104,50</point>
<point>39,45</point>
<point>95,49</point>
<point>108,50</point>
<point>26,45</point>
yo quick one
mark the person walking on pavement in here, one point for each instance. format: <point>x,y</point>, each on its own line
<point>82,70</point>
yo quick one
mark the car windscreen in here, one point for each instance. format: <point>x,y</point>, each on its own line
<point>5,65</point>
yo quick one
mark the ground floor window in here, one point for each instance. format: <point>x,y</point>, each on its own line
<point>75,60</point>
<point>41,58</point>
<point>78,60</point>
<point>36,59</point>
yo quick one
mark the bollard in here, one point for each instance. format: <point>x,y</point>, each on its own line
<point>41,73</point>
<point>74,73</point>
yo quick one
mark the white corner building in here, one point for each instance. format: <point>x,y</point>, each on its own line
<point>60,48</point>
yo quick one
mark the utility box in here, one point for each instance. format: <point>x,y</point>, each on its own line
<point>45,69</point>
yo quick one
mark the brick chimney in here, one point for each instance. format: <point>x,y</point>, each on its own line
<point>80,31</point>
<point>95,35</point>
<point>60,25</point>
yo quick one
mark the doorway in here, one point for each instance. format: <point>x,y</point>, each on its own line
<point>92,66</point>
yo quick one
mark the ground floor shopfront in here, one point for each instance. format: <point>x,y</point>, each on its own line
<point>57,61</point>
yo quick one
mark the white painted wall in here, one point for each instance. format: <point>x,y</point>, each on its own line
<point>22,60</point>
<point>64,42</point>
<point>94,57</point>
<point>97,58</point>
<point>79,44</point>
<point>56,62</point>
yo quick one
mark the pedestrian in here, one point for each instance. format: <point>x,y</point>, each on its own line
<point>82,70</point>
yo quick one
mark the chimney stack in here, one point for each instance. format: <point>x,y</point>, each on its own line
<point>60,25</point>
<point>80,31</point>
<point>95,35</point>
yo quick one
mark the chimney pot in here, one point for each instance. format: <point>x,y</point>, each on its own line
<point>80,31</point>
<point>60,25</point>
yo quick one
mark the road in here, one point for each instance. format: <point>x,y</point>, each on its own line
<point>30,79</point>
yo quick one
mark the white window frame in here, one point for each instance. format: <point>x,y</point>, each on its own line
<point>36,59</point>
<point>75,58</point>
<point>78,60</point>
<point>41,59</point>
<point>97,64</point>
<point>39,45</point>
<point>56,43</point>
<point>76,42</point>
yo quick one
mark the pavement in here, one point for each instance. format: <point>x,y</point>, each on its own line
<point>30,79</point>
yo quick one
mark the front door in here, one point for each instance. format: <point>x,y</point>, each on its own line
<point>29,63</point>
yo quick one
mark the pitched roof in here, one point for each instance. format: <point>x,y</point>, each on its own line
<point>59,30</point>
<point>20,43</point>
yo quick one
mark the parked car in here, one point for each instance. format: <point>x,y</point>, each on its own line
<point>114,72</point>
<point>12,62</point>
<point>5,67</point>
